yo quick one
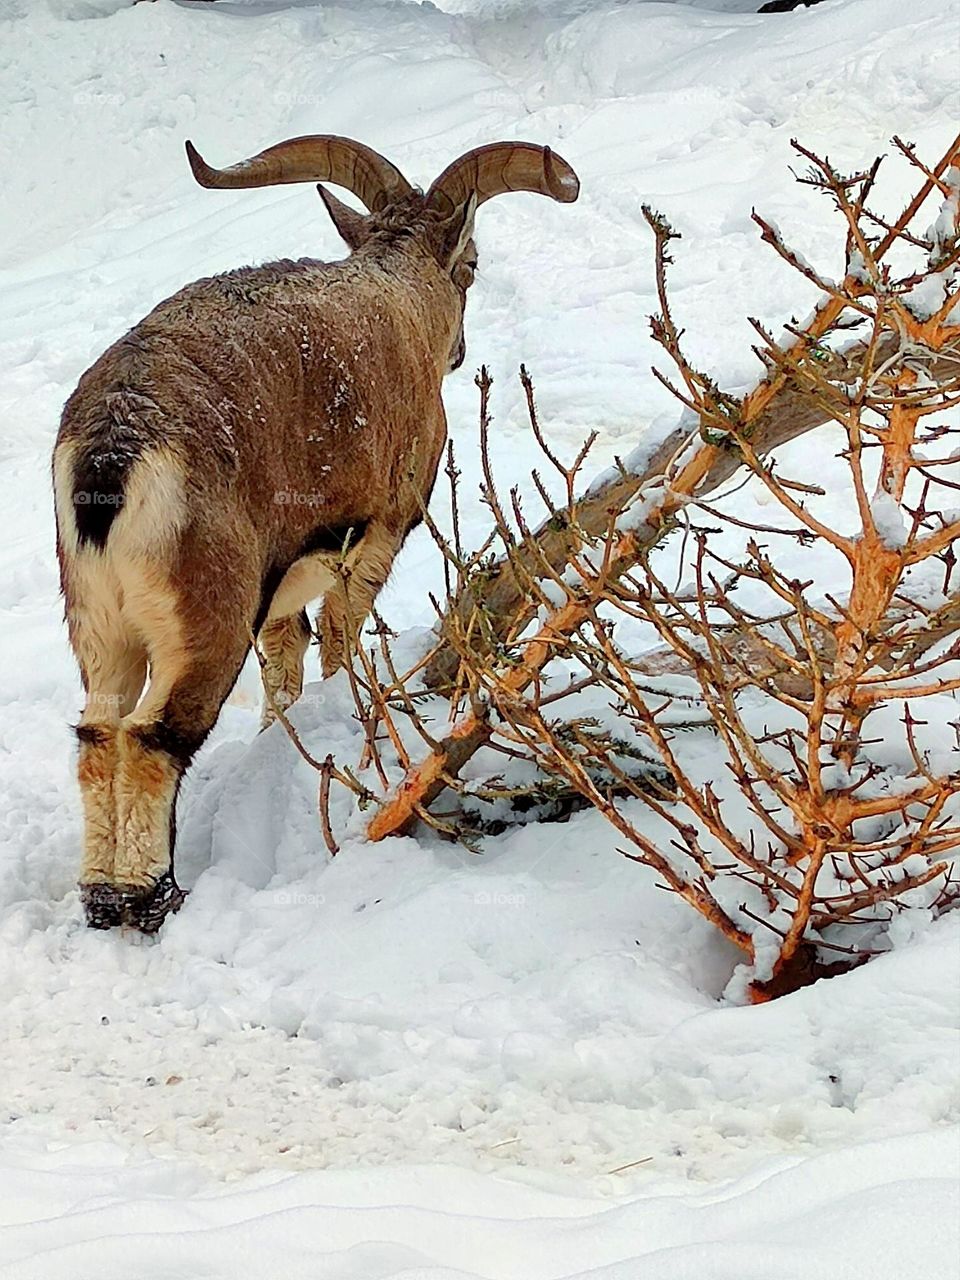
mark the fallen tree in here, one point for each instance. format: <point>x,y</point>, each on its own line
<point>491,609</point>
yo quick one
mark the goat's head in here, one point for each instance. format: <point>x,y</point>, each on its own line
<point>441,218</point>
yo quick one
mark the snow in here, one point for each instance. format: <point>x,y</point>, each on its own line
<point>944,229</point>
<point>841,1215</point>
<point>888,519</point>
<point>413,1061</point>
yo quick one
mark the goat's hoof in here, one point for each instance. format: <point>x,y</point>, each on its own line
<point>107,906</point>
<point>102,905</point>
<point>148,911</point>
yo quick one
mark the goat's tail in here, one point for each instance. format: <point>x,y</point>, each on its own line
<point>133,500</point>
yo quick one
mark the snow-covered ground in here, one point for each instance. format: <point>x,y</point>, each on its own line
<point>529,1043</point>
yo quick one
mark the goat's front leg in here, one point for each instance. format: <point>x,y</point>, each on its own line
<point>283,643</point>
<point>347,603</point>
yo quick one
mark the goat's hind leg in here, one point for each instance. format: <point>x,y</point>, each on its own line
<point>151,764</point>
<point>96,774</point>
<point>192,670</point>
<point>113,669</point>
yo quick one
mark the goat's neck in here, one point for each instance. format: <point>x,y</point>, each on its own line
<point>434,298</point>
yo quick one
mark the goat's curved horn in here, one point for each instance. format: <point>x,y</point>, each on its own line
<point>319,157</point>
<point>506,166</point>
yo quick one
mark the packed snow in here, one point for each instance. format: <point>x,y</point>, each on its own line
<point>413,1061</point>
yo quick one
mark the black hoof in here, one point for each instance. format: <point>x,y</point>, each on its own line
<point>102,905</point>
<point>108,905</point>
<point>148,911</point>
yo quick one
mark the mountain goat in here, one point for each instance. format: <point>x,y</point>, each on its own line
<point>216,465</point>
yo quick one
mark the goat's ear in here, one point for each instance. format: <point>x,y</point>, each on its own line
<point>457,230</point>
<point>351,224</point>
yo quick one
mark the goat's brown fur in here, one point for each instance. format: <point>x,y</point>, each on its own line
<point>212,469</point>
